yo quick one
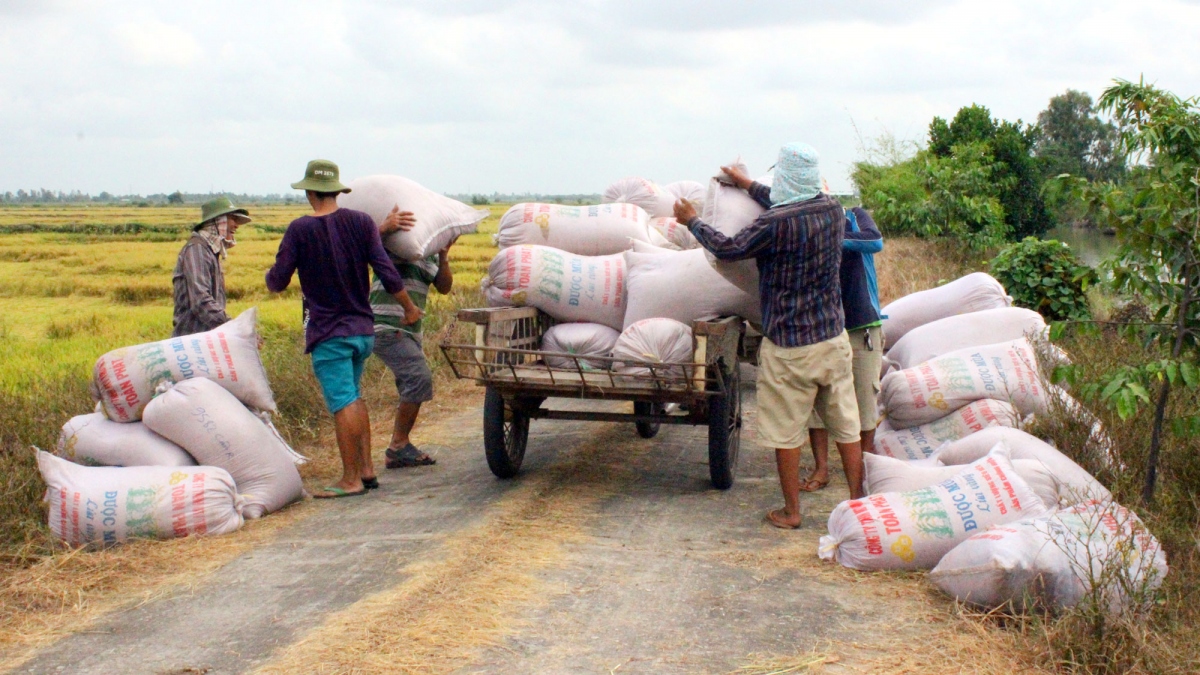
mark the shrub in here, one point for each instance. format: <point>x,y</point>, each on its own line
<point>1045,276</point>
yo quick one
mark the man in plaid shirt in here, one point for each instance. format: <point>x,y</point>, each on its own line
<point>805,358</point>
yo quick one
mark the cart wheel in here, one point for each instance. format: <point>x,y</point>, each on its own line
<point>725,429</point>
<point>505,433</point>
<point>647,429</point>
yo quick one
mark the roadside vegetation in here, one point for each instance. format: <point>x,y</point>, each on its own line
<point>1128,166</point>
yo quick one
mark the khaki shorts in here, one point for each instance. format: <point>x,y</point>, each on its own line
<point>867,364</point>
<point>794,380</point>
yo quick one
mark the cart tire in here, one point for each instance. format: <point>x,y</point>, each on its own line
<point>725,429</point>
<point>647,429</point>
<point>505,433</point>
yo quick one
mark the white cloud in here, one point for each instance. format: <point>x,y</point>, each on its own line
<point>529,94</point>
<point>155,43</point>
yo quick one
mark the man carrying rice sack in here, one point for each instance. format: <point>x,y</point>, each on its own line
<point>199,280</point>
<point>331,250</point>
<point>805,358</point>
<point>398,344</point>
<point>860,304</point>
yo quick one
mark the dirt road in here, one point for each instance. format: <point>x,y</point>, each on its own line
<point>609,554</point>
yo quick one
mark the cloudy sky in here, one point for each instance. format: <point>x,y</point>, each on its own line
<point>536,95</point>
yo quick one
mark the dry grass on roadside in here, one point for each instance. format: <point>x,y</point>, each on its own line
<point>473,589</point>
<point>908,265</point>
<point>65,593</point>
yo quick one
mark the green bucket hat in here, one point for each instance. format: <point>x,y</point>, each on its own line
<point>219,207</point>
<point>321,176</point>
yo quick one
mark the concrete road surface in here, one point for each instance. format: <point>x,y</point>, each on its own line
<point>669,576</point>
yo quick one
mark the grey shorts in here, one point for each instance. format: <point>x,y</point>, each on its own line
<point>403,354</point>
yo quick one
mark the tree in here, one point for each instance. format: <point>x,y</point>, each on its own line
<point>1072,139</point>
<point>175,197</point>
<point>1157,223</point>
<point>1008,148</point>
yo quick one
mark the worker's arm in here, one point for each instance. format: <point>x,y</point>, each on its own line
<point>754,239</point>
<point>863,236</point>
<point>280,274</point>
<point>444,280</point>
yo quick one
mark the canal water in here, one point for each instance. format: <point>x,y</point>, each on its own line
<point>1088,245</point>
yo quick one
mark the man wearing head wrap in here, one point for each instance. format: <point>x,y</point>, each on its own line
<point>805,357</point>
<point>199,279</point>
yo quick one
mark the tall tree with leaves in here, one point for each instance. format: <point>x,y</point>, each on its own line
<point>1072,139</point>
<point>1009,146</point>
<point>1157,225</point>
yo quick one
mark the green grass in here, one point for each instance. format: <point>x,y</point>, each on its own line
<point>67,297</point>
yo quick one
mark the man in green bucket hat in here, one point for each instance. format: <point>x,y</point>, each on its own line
<point>199,279</point>
<point>331,250</point>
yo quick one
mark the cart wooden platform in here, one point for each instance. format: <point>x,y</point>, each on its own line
<point>506,358</point>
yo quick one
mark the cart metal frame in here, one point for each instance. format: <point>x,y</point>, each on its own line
<point>506,359</point>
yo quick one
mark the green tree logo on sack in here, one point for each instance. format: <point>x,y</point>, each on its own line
<point>928,513</point>
<point>551,280</point>
<point>139,512</point>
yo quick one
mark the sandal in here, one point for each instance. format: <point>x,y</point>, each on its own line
<point>371,483</point>
<point>812,485</point>
<point>337,493</point>
<point>408,456</point>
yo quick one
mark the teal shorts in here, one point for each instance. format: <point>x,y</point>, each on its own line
<point>338,364</point>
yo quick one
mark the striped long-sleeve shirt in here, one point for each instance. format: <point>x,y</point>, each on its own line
<point>798,248</point>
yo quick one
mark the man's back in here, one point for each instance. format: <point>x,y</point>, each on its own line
<point>331,254</point>
<point>799,272</point>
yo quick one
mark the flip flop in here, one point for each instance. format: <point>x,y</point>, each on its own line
<point>406,457</point>
<point>371,483</point>
<point>338,493</point>
<point>779,524</point>
<point>812,485</point>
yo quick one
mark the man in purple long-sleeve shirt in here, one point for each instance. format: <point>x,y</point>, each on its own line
<point>331,250</point>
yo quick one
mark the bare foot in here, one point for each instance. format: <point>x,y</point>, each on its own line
<point>781,520</point>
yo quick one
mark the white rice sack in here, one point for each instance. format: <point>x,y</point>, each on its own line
<point>1097,550</point>
<point>217,430</point>
<point>124,380</point>
<point>919,442</point>
<point>885,474</point>
<point>685,286</point>
<point>972,293</point>
<point>1006,371</point>
<point>674,232</point>
<point>106,505</point>
<point>959,332</point>
<point>729,209</point>
<point>439,218</point>
<point>584,230</point>
<point>94,440</point>
<point>1077,485</point>
<point>643,247</point>
<point>581,339</point>
<point>647,194</point>
<point>654,341</point>
<point>566,286</point>
<point>688,190</point>
<point>913,530</point>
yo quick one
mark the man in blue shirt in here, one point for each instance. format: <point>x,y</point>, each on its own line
<point>864,322</point>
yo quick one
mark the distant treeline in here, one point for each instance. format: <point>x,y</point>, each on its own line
<point>43,196</point>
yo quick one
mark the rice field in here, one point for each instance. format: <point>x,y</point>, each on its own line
<point>71,290</point>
